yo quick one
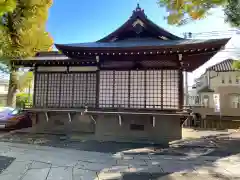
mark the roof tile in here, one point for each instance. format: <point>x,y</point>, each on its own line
<point>223,66</point>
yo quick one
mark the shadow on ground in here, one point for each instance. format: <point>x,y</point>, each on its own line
<point>212,145</point>
<point>5,162</point>
<point>218,146</point>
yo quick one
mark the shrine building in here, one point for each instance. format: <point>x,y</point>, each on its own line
<point>128,85</point>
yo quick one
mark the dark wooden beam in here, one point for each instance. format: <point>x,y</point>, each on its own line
<point>34,86</point>
<point>181,90</point>
<point>191,60</point>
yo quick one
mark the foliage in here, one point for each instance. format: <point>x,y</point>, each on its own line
<point>7,6</point>
<point>184,11</point>
<point>22,34</point>
<point>232,12</point>
<point>23,31</point>
<point>22,100</point>
<point>236,64</point>
<point>24,80</point>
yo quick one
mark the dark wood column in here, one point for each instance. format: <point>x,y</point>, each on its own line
<point>181,89</point>
<point>34,85</point>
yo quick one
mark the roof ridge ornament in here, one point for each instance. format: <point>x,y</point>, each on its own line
<point>138,7</point>
<point>138,10</point>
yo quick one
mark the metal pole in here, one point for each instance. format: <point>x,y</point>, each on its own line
<point>220,118</point>
<point>220,112</point>
<point>186,88</point>
<point>187,35</point>
<point>29,89</point>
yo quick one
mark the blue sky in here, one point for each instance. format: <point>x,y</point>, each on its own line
<point>76,21</point>
<point>90,20</point>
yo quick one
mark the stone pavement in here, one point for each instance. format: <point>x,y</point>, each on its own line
<point>34,162</point>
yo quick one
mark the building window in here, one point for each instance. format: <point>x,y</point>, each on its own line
<point>235,101</point>
<point>206,101</point>
<point>137,127</point>
<point>237,79</point>
<point>197,100</point>
<point>230,80</point>
<point>223,81</point>
<point>5,87</point>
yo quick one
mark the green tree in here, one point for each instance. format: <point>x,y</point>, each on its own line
<point>22,35</point>
<point>236,65</point>
<point>7,6</point>
<point>232,12</point>
<point>184,11</point>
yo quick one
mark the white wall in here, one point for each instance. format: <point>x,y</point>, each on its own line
<point>202,82</point>
<point>216,81</point>
<point>192,96</point>
<point>3,88</point>
<point>3,94</point>
<point>226,76</point>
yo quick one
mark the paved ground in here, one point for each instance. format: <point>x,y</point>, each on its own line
<point>214,157</point>
<point>198,133</point>
<point>5,162</point>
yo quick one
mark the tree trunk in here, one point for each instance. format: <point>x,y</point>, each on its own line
<point>12,91</point>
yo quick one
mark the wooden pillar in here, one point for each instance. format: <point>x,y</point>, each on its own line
<point>33,117</point>
<point>97,88</point>
<point>97,81</point>
<point>181,88</point>
<point>180,83</point>
<point>34,86</point>
<point>186,88</point>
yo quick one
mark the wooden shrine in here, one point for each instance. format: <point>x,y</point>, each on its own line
<point>129,84</point>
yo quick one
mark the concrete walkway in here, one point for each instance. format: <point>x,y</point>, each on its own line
<point>35,162</point>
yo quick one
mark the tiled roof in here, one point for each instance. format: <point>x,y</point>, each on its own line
<point>50,55</point>
<point>223,66</point>
<point>205,90</point>
<point>140,42</point>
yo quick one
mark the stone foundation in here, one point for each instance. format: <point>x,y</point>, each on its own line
<point>59,123</point>
<point>167,128</point>
<point>131,128</point>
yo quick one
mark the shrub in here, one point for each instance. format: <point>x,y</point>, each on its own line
<point>22,100</point>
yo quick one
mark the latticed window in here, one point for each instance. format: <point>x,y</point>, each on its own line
<point>41,87</point>
<point>139,89</point>
<point>84,90</point>
<point>65,90</point>
<point>152,89</point>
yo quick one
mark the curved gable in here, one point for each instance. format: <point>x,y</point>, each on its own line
<point>139,26</point>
